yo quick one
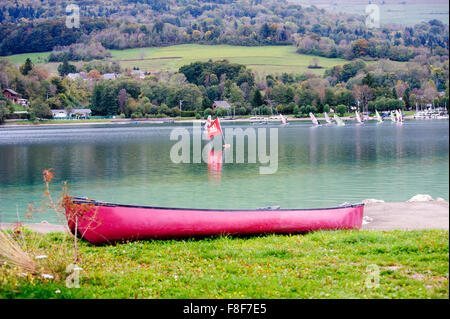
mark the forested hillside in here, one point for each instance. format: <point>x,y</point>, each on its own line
<point>387,68</point>
<point>121,24</point>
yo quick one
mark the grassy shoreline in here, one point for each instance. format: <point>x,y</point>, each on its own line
<point>332,264</point>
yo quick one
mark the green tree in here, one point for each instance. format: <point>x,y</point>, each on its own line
<point>26,67</point>
<point>207,112</point>
<point>369,80</point>
<point>4,110</point>
<point>206,103</point>
<point>66,68</point>
<point>256,99</point>
<point>235,94</point>
<point>40,109</point>
<point>341,109</point>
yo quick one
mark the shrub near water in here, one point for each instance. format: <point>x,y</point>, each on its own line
<point>29,258</point>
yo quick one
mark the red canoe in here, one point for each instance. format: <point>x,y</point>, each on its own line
<point>101,223</point>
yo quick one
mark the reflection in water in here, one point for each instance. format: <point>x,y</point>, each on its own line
<point>313,144</point>
<point>358,128</point>
<point>317,166</point>
<point>399,141</point>
<point>215,161</point>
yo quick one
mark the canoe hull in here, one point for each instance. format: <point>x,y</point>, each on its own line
<point>111,223</point>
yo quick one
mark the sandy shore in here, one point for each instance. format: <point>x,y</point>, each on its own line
<point>406,215</point>
<point>377,216</point>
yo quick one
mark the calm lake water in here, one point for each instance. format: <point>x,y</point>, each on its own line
<point>318,167</point>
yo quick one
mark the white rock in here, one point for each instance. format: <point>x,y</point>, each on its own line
<point>366,220</point>
<point>420,198</point>
<point>440,199</point>
<point>371,200</point>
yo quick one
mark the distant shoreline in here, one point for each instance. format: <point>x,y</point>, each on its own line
<point>161,121</point>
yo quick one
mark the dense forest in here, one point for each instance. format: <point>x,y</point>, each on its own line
<point>121,24</point>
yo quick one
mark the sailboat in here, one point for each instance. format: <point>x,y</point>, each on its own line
<point>313,119</point>
<point>338,120</point>
<point>393,117</point>
<point>399,117</point>
<point>379,119</point>
<point>283,120</point>
<point>327,118</point>
<point>358,117</point>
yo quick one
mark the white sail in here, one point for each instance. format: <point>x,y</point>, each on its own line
<point>393,117</point>
<point>338,120</point>
<point>283,119</point>
<point>399,116</point>
<point>313,119</point>
<point>327,118</point>
<point>208,122</point>
<point>358,117</point>
<point>379,119</point>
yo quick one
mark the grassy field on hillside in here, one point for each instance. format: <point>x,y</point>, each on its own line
<point>263,60</point>
<point>324,264</point>
<point>39,57</point>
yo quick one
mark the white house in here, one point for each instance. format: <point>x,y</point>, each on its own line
<point>76,76</point>
<point>77,113</point>
<point>110,76</point>
<point>138,74</point>
<point>23,102</point>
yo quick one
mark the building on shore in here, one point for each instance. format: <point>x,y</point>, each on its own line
<point>223,104</point>
<point>13,96</point>
<point>74,113</point>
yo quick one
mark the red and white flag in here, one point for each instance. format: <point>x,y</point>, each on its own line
<point>214,129</point>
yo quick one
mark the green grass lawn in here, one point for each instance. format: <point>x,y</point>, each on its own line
<point>36,58</point>
<point>331,264</point>
<point>263,60</point>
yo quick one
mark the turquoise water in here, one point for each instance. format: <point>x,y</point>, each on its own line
<point>318,167</point>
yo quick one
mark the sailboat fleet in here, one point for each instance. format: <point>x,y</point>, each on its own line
<point>395,116</point>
